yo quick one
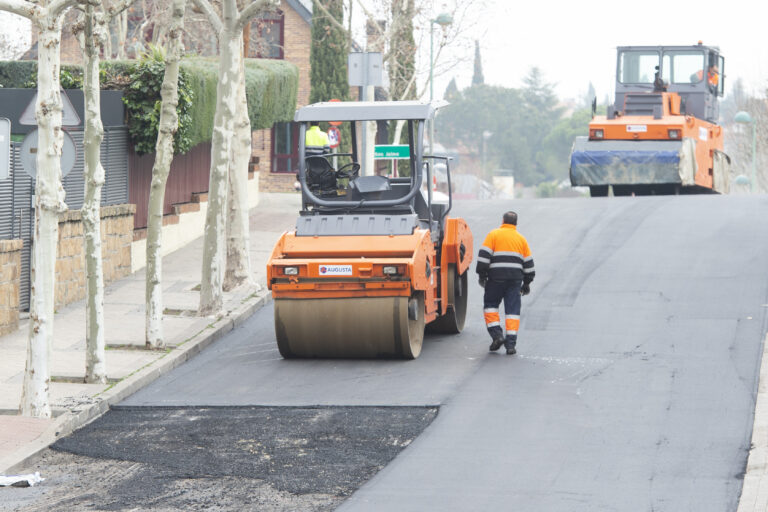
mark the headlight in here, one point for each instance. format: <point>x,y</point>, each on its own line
<point>595,134</point>
<point>390,270</point>
<point>673,134</point>
<point>291,271</point>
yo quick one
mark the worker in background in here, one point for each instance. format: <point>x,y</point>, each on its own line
<point>316,141</point>
<point>713,77</point>
<point>505,267</point>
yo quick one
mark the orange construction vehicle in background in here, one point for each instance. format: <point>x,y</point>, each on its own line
<point>661,135</point>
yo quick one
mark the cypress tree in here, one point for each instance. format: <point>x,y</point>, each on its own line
<point>328,56</point>
<point>452,91</point>
<point>477,77</point>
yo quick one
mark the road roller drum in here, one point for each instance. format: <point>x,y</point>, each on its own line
<point>368,327</point>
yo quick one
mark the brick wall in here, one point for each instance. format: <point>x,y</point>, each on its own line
<point>297,42</point>
<point>10,270</point>
<point>116,238</point>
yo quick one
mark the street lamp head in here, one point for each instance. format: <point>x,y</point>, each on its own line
<point>741,180</point>
<point>443,19</point>
<point>743,117</point>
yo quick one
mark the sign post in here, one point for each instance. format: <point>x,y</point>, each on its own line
<point>365,71</point>
<point>334,139</point>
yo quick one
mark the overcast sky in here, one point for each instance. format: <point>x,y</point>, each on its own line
<point>574,42</point>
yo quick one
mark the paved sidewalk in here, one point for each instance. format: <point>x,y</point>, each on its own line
<point>129,365</point>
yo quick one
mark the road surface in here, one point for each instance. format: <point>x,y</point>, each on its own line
<point>633,387</point>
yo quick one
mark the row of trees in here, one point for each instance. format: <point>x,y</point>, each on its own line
<point>525,128</point>
<point>225,260</point>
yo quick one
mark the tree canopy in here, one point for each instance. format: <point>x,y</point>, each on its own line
<point>528,132</point>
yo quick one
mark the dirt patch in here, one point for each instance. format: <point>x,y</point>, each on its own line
<point>249,458</point>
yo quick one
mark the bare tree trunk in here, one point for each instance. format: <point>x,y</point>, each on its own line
<point>169,123</point>
<point>93,173</point>
<point>211,287</point>
<point>49,202</point>
<point>230,30</point>
<point>122,34</point>
<point>238,233</point>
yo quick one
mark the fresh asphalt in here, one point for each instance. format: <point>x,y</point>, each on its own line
<point>633,388</point>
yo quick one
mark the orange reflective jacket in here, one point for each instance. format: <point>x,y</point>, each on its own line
<point>505,255</point>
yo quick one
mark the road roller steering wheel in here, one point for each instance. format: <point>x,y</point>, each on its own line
<point>350,170</point>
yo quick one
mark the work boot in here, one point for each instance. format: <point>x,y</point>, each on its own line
<point>511,351</point>
<point>496,344</point>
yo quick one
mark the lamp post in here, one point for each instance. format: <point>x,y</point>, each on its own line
<point>744,118</point>
<point>444,20</point>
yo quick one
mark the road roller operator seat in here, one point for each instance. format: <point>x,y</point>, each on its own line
<point>320,175</point>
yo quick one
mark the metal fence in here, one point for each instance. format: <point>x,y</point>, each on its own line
<point>17,193</point>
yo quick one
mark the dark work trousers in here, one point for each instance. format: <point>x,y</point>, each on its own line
<point>495,291</point>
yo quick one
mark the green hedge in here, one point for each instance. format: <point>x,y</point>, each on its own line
<point>271,89</point>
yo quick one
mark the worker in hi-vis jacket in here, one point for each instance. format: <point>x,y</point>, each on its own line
<point>505,267</point>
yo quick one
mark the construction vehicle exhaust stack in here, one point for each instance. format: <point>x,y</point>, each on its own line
<point>661,134</point>
<point>373,259</point>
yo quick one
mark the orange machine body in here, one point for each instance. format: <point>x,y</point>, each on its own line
<point>354,266</point>
<point>671,126</point>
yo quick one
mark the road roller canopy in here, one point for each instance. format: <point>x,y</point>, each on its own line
<point>334,182</point>
<point>367,111</point>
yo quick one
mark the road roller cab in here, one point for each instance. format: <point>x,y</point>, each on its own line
<point>373,261</point>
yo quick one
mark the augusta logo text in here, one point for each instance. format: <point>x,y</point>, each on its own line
<point>336,270</point>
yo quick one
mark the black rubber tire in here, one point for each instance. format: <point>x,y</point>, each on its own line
<point>452,322</point>
<point>598,190</point>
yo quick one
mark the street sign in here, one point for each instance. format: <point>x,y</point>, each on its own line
<point>365,69</point>
<point>5,148</point>
<point>334,136</point>
<point>68,115</point>
<point>392,152</point>
<point>29,154</point>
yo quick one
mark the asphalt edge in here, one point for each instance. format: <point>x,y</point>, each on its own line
<point>70,421</point>
<point>754,491</point>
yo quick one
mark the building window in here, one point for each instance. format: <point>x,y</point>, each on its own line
<point>285,147</point>
<point>266,39</point>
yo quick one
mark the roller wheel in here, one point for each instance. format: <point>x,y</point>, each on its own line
<point>452,322</point>
<point>361,327</point>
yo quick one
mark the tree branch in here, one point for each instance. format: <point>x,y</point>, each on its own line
<point>117,8</point>
<point>257,8</point>
<point>22,8</point>
<point>334,21</point>
<point>59,6</point>
<point>213,18</point>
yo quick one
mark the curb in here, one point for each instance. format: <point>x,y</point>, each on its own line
<point>754,491</point>
<point>70,421</point>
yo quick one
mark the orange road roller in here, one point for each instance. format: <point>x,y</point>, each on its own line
<point>374,259</point>
<point>661,135</point>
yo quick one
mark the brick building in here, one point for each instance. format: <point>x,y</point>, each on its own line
<point>277,149</point>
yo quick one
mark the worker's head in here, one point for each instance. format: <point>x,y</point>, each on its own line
<point>510,218</point>
<point>314,123</point>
